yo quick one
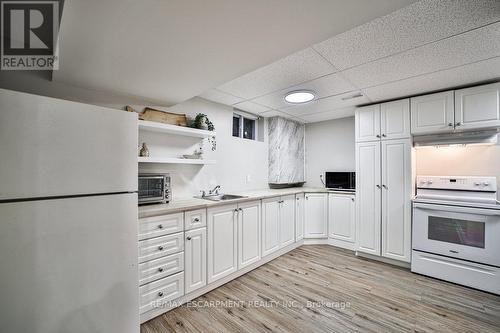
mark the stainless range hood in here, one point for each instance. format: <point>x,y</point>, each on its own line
<point>457,138</point>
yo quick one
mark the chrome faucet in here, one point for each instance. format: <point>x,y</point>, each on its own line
<point>215,190</point>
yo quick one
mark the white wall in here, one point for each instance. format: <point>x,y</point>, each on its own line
<point>329,147</point>
<point>236,158</point>
<point>459,161</point>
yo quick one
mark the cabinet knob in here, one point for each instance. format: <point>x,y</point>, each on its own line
<point>384,135</point>
<point>450,124</point>
<point>160,294</point>
<point>196,220</point>
<point>160,269</point>
<point>378,136</point>
<point>458,124</point>
<point>352,199</point>
<point>160,248</point>
<point>188,237</point>
<point>160,226</point>
<point>385,186</point>
<point>378,186</point>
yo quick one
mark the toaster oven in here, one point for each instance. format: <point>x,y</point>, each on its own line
<point>154,188</point>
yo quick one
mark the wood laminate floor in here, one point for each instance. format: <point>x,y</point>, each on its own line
<point>320,288</point>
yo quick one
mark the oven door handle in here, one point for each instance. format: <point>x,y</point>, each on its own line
<point>458,209</point>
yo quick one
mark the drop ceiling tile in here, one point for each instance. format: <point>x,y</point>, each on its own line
<point>215,95</point>
<point>466,48</point>
<point>328,115</point>
<point>415,25</point>
<point>332,84</point>
<point>276,113</point>
<point>326,104</point>
<point>296,68</point>
<point>463,75</point>
<point>251,107</point>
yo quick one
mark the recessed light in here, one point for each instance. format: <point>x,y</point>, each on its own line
<point>299,96</point>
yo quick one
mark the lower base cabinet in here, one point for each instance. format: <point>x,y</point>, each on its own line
<point>278,223</point>
<point>195,252</point>
<point>341,220</point>
<point>222,247</point>
<point>248,233</point>
<point>316,215</point>
<point>299,216</point>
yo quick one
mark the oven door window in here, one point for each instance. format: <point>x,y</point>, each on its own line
<point>150,188</point>
<point>463,232</point>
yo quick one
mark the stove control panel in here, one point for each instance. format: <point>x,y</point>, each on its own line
<point>463,183</point>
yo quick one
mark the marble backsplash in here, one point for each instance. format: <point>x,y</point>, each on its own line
<point>286,151</point>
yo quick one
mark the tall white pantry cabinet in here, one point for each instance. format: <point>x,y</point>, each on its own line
<point>383,180</point>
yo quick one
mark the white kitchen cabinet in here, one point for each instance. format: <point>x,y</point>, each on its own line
<point>396,199</point>
<point>341,220</point>
<point>195,252</point>
<point>299,216</point>
<point>368,197</point>
<point>222,247</point>
<point>287,220</point>
<point>477,107</point>
<point>432,113</point>
<point>395,119</point>
<point>316,215</point>
<point>270,225</point>
<point>367,123</point>
<point>249,221</point>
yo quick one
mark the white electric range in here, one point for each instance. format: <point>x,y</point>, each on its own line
<point>456,230</point>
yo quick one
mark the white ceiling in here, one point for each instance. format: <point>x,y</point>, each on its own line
<point>169,51</point>
<point>427,46</point>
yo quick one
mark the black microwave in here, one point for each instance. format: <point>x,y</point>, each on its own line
<point>343,181</point>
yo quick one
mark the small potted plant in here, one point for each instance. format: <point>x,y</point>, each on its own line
<point>201,121</point>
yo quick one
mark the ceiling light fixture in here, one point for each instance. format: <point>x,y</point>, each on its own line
<point>299,96</point>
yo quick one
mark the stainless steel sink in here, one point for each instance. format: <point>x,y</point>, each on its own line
<point>222,197</point>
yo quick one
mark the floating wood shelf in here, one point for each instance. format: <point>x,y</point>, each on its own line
<point>173,129</point>
<point>173,160</point>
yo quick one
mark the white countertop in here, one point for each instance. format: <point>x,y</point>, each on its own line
<point>182,204</point>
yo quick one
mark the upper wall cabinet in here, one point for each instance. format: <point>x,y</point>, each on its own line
<point>395,119</point>
<point>432,113</point>
<point>477,107</point>
<point>384,121</point>
<point>463,109</point>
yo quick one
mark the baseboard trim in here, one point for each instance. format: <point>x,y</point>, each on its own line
<point>383,259</point>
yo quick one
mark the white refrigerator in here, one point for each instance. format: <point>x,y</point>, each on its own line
<point>68,216</point>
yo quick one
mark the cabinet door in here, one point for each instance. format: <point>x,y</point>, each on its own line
<point>432,113</point>
<point>299,216</point>
<point>195,251</point>
<point>316,215</point>
<point>396,199</point>
<point>222,241</point>
<point>270,225</point>
<point>395,119</point>
<point>477,107</point>
<point>342,224</point>
<point>367,123</point>
<point>248,233</point>
<point>368,196</point>
<point>287,220</point>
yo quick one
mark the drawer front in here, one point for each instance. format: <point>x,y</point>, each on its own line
<point>155,226</point>
<point>159,268</point>
<point>159,293</point>
<point>195,219</point>
<point>161,246</point>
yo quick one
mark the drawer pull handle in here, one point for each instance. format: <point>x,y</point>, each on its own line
<point>196,220</point>
<point>160,226</point>
<point>160,248</point>
<point>160,294</point>
<point>160,269</point>
<point>188,238</point>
